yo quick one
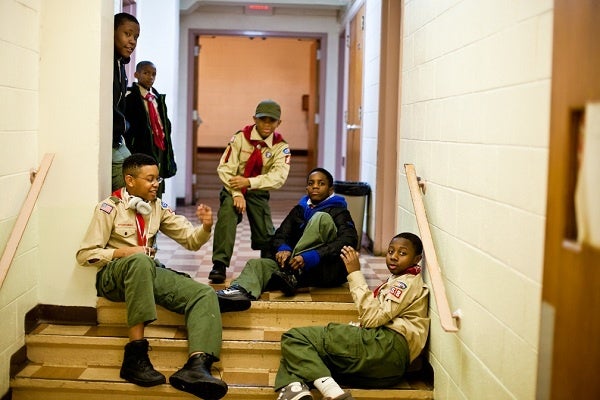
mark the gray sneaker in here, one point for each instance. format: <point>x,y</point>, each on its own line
<point>295,391</point>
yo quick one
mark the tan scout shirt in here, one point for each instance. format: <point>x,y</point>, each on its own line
<point>401,305</point>
<point>276,162</point>
<point>114,226</point>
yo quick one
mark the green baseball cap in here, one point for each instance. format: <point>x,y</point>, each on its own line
<point>268,108</point>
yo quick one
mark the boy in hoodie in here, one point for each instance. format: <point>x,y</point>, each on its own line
<point>307,247</point>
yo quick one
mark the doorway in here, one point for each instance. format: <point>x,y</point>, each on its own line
<point>232,72</point>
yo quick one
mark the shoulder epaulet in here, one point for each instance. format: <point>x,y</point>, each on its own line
<point>115,199</point>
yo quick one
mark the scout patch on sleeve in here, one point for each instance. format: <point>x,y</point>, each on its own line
<point>165,206</point>
<point>107,208</point>
<point>288,155</point>
<point>397,290</point>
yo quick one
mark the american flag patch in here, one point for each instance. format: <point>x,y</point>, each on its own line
<point>107,208</point>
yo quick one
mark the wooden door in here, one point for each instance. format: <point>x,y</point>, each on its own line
<point>570,325</point>
<point>312,107</point>
<point>355,86</point>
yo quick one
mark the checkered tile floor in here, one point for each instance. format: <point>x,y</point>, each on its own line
<point>198,264</point>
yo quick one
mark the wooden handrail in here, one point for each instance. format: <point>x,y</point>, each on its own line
<point>433,268</point>
<point>17,232</point>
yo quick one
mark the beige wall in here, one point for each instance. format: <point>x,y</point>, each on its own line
<point>55,59</point>
<point>475,122</point>
<point>19,88</point>
<point>249,71</point>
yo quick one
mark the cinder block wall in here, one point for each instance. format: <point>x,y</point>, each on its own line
<point>475,122</point>
<point>19,136</point>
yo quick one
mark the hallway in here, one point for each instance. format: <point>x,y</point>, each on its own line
<point>198,264</point>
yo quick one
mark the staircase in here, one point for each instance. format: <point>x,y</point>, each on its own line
<point>81,362</point>
<point>208,185</point>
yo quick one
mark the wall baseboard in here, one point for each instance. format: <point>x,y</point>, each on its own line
<point>64,315</point>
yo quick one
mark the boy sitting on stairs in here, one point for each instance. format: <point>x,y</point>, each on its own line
<point>375,352</point>
<point>120,241</point>
<point>307,247</point>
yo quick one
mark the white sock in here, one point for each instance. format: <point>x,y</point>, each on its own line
<point>328,387</point>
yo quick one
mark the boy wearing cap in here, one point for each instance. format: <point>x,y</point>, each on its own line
<point>256,160</point>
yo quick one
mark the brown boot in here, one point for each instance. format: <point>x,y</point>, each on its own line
<point>137,368</point>
<point>195,378</point>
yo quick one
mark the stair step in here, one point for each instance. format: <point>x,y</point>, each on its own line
<point>314,308</point>
<point>98,383</point>
<point>82,351</point>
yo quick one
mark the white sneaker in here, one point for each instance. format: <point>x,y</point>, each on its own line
<point>295,391</point>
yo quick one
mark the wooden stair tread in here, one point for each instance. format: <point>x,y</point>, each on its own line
<point>283,314</point>
<point>67,383</point>
<point>71,362</point>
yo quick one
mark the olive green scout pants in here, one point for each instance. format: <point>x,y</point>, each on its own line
<point>259,218</point>
<point>256,274</point>
<point>354,356</point>
<point>142,283</point>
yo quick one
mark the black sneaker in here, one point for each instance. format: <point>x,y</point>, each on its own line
<point>286,282</point>
<point>234,298</point>
<point>218,274</point>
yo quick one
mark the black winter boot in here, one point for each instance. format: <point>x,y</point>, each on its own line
<point>137,368</point>
<point>195,378</point>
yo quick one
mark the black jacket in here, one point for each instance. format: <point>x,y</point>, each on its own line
<point>139,138</point>
<point>325,268</point>
<point>119,90</point>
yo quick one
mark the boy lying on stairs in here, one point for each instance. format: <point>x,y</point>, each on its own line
<point>373,353</point>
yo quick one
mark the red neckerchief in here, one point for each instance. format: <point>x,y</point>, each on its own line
<point>254,164</point>
<point>140,223</point>
<point>157,131</point>
<point>414,270</point>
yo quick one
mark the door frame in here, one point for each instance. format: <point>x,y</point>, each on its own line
<point>569,351</point>
<point>192,39</point>
<point>384,208</point>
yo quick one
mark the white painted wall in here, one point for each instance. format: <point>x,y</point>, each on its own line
<point>475,122</point>
<point>159,43</point>
<point>371,87</point>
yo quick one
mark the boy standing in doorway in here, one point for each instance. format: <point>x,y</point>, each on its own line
<point>150,129</point>
<point>256,160</point>
<point>127,31</point>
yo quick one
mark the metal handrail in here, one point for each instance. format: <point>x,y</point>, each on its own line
<point>433,268</point>
<point>38,178</point>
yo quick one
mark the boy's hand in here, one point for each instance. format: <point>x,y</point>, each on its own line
<point>282,256</point>
<point>204,214</point>
<point>350,258</point>
<point>239,182</point>
<point>239,203</point>
<point>297,263</point>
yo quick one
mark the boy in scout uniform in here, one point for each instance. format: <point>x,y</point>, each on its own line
<point>391,332</point>
<point>256,160</point>
<point>121,243</point>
